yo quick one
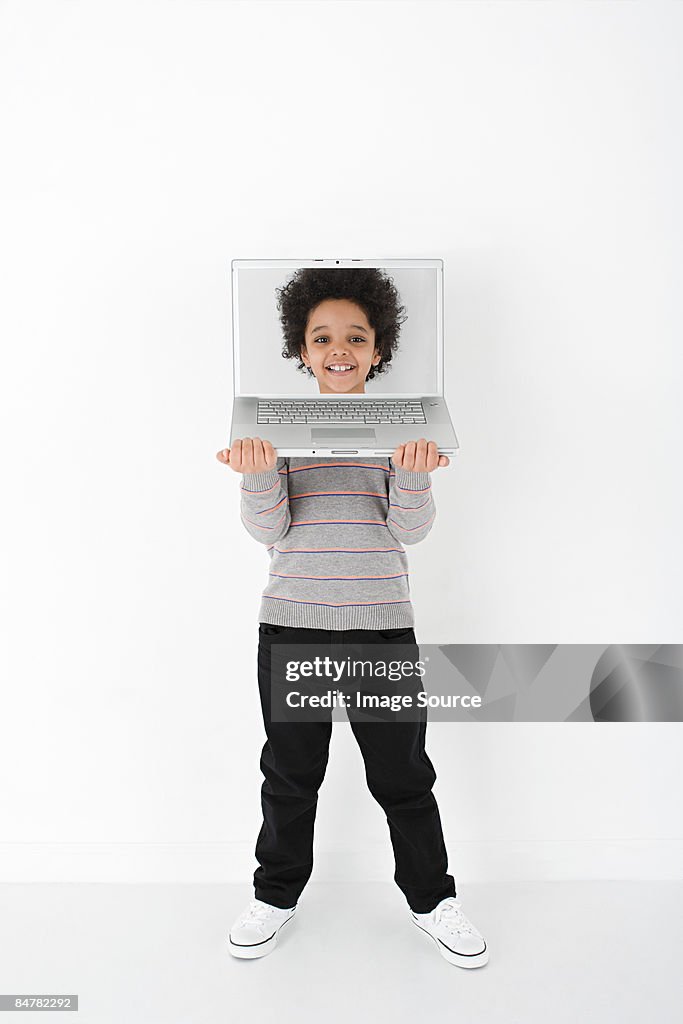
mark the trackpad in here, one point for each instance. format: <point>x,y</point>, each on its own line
<point>349,435</point>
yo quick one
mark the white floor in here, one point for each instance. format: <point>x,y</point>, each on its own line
<point>142,954</point>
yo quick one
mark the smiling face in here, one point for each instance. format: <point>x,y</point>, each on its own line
<point>338,334</point>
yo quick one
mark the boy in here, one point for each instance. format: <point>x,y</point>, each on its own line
<point>335,531</point>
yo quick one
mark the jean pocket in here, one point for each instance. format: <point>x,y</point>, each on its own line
<point>405,632</point>
<point>270,629</point>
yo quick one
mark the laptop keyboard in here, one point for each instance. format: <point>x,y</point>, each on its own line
<point>282,410</point>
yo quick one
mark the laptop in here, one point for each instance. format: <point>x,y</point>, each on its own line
<point>279,398</point>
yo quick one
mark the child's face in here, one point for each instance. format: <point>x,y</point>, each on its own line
<point>338,332</point>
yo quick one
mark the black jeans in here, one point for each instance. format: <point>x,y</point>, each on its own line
<point>399,774</point>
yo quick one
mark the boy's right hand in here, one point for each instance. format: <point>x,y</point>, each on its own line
<point>249,455</point>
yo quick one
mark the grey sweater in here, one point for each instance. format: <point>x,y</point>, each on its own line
<point>334,531</point>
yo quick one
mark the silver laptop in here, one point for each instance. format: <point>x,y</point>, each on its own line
<point>327,406</point>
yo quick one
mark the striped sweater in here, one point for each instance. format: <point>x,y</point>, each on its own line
<point>334,531</point>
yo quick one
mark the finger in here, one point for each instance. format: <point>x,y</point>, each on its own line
<point>409,456</point>
<point>420,456</point>
<point>259,455</point>
<point>224,455</point>
<point>248,454</point>
<point>432,456</point>
<point>397,457</point>
<point>444,460</point>
<point>271,454</point>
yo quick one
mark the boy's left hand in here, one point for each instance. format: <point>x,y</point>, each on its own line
<point>419,456</point>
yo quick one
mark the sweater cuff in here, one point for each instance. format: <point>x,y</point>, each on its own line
<point>410,480</point>
<point>260,481</point>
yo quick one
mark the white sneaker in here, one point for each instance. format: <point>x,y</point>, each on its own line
<point>456,937</point>
<point>255,931</point>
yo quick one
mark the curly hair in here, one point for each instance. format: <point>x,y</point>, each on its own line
<point>368,287</point>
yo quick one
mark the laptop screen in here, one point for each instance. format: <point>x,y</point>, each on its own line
<point>269,316</point>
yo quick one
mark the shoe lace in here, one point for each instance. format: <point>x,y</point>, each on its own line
<point>453,918</point>
<point>256,914</point>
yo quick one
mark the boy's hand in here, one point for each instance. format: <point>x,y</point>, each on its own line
<point>419,456</point>
<point>249,455</point>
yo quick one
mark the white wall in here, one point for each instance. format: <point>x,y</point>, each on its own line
<point>537,149</point>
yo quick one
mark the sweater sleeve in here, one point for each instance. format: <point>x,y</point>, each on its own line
<point>411,511</point>
<point>264,505</point>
